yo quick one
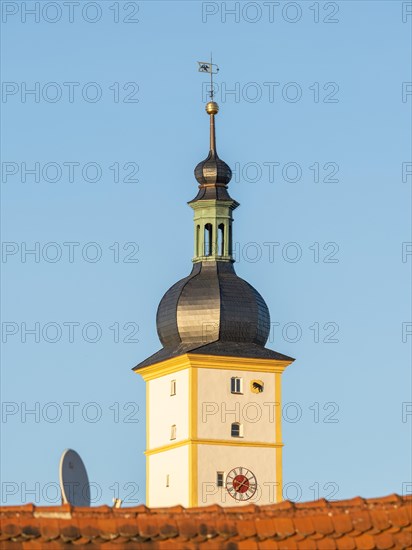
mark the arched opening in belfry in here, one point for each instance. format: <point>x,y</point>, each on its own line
<point>221,239</point>
<point>230,240</point>
<point>208,239</point>
<point>197,240</point>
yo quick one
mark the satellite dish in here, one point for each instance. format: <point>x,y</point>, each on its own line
<point>74,483</point>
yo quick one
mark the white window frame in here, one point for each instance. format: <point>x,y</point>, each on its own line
<point>236,385</point>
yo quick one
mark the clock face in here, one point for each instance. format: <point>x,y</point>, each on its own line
<point>241,483</point>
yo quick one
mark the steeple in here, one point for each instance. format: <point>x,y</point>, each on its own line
<point>212,309</point>
<point>213,172</point>
<point>213,206</point>
<point>213,327</point>
<point>212,108</point>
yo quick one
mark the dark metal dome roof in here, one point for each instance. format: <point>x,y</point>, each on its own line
<point>213,170</point>
<point>212,304</point>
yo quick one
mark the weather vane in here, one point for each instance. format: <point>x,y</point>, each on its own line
<point>206,67</point>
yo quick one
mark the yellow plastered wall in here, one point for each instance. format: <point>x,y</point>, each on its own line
<point>200,372</point>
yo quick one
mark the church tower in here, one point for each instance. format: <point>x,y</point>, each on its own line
<point>213,392</point>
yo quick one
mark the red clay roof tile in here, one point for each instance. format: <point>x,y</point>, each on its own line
<point>247,545</point>
<point>127,528</point>
<point>271,545</point>
<point>148,527</point>
<point>79,542</point>
<point>307,544</point>
<point>289,544</point>
<point>304,525</point>
<point>346,543</point>
<point>365,542</point>
<point>246,528</point>
<point>208,527</point>
<point>403,539</point>
<point>120,542</point>
<point>69,533</point>
<point>399,517</point>
<point>87,525</point>
<point>265,528</point>
<point>362,521</point>
<point>225,527</point>
<point>34,545</point>
<point>30,528</point>
<point>168,527</point>
<point>49,528</point>
<point>284,527</point>
<point>323,524</point>
<point>108,527</point>
<point>384,541</point>
<point>342,523</point>
<point>9,527</point>
<point>326,544</point>
<point>380,519</point>
<point>188,528</point>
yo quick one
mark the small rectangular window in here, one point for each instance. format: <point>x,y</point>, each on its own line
<point>236,385</point>
<point>167,480</point>
<point>173,387</point>
<point>236,430</point>
<point>173,432</point>
<point>220,479</point>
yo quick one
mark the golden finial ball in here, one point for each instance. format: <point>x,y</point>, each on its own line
<point>212,108</point>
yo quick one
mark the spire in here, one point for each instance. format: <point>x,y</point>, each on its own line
<point>213,172</point>
<point>213,206</point>
<point>212,109</point>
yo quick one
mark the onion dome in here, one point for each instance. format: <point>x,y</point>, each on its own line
<point>212,304</point>
<point>213,171</point>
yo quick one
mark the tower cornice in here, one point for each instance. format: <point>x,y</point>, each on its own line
<point>191,360</point>
<point>207,203</point>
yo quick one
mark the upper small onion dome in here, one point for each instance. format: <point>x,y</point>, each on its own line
<point>213,170</point>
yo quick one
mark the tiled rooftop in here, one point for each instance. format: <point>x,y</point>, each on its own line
<point>364,524</point>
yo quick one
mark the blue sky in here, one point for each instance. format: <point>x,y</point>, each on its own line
<point>317,128</point>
